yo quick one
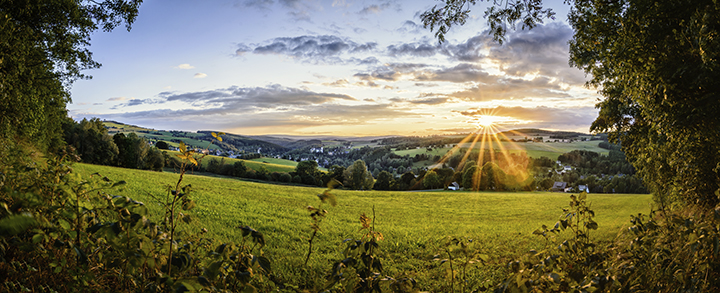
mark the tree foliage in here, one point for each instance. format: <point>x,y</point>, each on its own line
<point>43,48</point>
<point>385,181</point>
<point>91,141</point>
<point>526,13</point>
<point>357,177</point>
<point>656,65</point>
<point>431,180</point>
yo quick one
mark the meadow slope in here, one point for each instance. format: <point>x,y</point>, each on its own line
<point>415,224</point>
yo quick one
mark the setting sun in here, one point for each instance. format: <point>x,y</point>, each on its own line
<point>486,120</point>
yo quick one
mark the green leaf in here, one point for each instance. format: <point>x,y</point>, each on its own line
<point>119,183</point>
<point>182,147</point>
<point>212,270</point>
<point>249,289</point>
<point>265,264</point>
<point>38,237</point>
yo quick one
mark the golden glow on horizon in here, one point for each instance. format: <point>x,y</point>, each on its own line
<point>487,134</point>
<point>485,121</point>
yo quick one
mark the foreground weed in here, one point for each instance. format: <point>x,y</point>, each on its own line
<point>318,214</point>
<point>361,270</point>
<point>462,256</point>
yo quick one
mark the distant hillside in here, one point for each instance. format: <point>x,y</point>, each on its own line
<point>200,139</point>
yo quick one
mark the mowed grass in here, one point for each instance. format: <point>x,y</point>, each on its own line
<point>415,224</point>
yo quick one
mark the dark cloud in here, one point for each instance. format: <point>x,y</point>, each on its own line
<point>513,88</point>
<point>543,50</point>
<point>469,51</point>
<point>135,102</point>
<point>464,72</point>
<point>284,118</point>
<point>319,48</point>
<point>236,99</point>
<point>390,72</point>
<point>412,49</point>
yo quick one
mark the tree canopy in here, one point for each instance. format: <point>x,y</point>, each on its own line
<point>656,65</point>
<point>43,49</point>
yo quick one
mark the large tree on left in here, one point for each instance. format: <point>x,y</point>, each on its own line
<point>43,49</point>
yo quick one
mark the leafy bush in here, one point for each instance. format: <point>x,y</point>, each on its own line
<point>669,251</point>
<point>62,232</point>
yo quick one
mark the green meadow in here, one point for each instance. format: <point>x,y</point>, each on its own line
<point>415,225</point>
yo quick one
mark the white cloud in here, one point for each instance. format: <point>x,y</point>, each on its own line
<point>114,99</point>
<point>184,66</point>
<point>200,75</point>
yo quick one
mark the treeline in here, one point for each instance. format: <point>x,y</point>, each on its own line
<point>94,145</point>
<point>610,173</point>
<point>411,142</point>
<point>355,176</point>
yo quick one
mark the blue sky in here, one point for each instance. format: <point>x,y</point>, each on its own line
<point>336,67</point>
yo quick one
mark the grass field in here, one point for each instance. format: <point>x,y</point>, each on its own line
<point>415,224</point>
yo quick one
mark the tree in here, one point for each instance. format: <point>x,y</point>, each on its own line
<point>469,178</point>
<point>334,172</point>
<point>308,172</point>
<point>162,145</point>
<point>492,177</point>
<point>91,140</point>
<point>357,177</point>
<point>384,181</point>
<point>133,150</point>
<point>43,48</point>
<point>431,180</point>
<point>656,65</point>
<point>406,181</point>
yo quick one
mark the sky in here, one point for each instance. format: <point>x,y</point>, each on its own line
<point>335,67</point>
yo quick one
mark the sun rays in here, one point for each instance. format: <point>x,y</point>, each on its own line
<point>490,140</point>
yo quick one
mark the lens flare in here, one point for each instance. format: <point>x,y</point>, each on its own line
<point>485,121</point>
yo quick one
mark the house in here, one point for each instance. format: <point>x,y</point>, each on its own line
<point>567,168</point>
<point>559,186</point>
<point>582,188</point>
<point>454,186</point>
